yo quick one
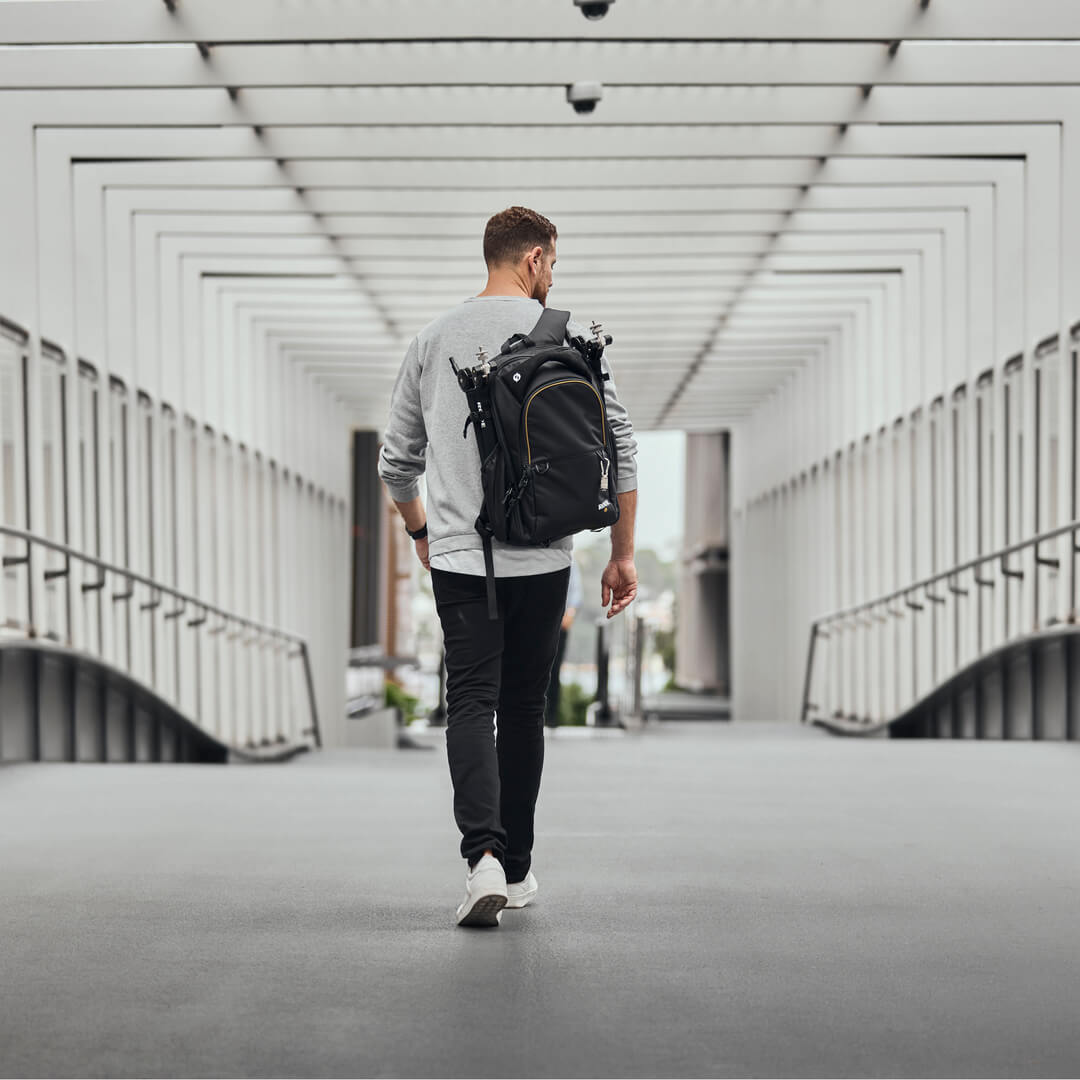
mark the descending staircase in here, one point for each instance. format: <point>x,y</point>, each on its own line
<point>196,684</point>
<point>1027,689</point>
<point>57,704</point>
<point>947,658</point>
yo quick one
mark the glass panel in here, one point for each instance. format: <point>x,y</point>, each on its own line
<point>1014,490</point>
<point>985,507</point>
<point>1047,516</point>
<point>241,539</point>
<point>955,511</point>
<point>1074,437</point>
<point>278,716</point>
<point>259,540</point>
<point>188,514</point>
<point>89,477</point>
<point>168,555</point>
<point>938,522</point>
<point>119,484</point>
<point>145,638</point>
<point>207,580</point>
<point>937,486</point>
<point>1073,463</point>
<point>959,513</point>
<point>899,642</point>
<point>52,451</point>
<point>54,523</point>
<point>273,535</point>
<point>912,496</point>
<point>14,598</point>
<point>227,588</point>
<point>190,508</point>
<point>918,502</point>
<point>89,494</point>
<point>1048,421</point>
<point>168,571</point>
<point>143,530</point>
<point>866,553</point>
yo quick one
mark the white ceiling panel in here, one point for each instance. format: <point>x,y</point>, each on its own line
<point>752,181</point>
<point>64,21</point>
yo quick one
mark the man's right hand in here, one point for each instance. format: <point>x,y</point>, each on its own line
<point>618,585</point>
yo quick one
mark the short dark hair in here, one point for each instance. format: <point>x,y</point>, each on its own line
<point>513,232</point>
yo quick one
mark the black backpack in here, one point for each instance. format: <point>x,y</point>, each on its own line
<point>548,466</point>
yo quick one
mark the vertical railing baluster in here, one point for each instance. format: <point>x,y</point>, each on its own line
<point>808,676</point>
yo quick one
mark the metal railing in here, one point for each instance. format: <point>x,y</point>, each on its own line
<point>619,709</point>
<point>867,664</point>
<point>243,687</point>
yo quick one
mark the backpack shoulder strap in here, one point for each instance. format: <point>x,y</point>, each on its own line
<point>551,328</point>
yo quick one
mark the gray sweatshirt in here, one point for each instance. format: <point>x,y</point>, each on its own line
<point>427,414</point>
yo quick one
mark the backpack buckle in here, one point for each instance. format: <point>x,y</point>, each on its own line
<point>516,341</point>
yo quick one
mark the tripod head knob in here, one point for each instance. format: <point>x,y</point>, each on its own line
<point>602,339</point>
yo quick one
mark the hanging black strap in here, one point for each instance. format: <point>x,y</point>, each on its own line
<point>599,375</point>
<point>551,328</point>
<point>489,573</point>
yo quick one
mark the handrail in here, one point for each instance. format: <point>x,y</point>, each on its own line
<point>160,589</point>
<point>924,585</point>
<point>971,564</point>
<point>142,579</point>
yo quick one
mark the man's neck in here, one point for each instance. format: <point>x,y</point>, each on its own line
<point>505,284</point>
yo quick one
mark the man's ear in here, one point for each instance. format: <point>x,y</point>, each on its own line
<point>536,255</point>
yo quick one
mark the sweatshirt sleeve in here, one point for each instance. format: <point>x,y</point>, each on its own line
<point>623,430</point>
<point>404,448</point>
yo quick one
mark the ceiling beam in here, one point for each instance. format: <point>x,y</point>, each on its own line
<point>512,64</point>
<point>211,21</point>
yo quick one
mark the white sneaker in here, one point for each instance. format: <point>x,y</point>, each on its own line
<point>485,894</point>
<point>521,893</point>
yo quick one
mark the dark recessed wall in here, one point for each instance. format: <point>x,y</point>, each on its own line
<point>367,507</point>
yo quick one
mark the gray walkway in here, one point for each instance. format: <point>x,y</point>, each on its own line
<point>728,901</point>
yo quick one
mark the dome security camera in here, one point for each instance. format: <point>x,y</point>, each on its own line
<point>594,9</point>
<point>584,96</point>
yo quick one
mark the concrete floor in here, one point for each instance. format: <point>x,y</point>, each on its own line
<point>715,901</point>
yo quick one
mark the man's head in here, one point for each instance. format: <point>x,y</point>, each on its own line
<point>522,241</point>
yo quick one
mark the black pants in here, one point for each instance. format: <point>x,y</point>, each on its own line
<point>554,692</point>
<point>504,665</point>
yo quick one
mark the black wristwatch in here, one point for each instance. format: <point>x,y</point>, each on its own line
<point>419,534</point>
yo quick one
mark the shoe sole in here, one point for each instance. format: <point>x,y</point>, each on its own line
<point>484,912</point>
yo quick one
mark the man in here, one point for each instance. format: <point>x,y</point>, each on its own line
<point>492,664</point>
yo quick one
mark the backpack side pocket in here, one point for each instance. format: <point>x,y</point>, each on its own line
<point>493,484</point>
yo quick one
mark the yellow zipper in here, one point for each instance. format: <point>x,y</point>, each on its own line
<point>564,382</point>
